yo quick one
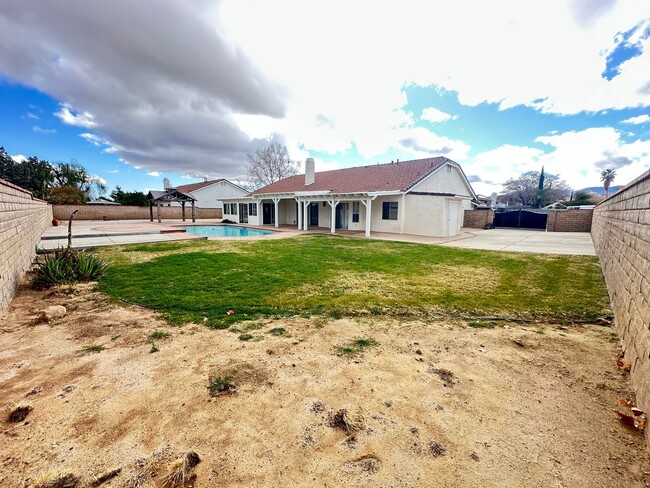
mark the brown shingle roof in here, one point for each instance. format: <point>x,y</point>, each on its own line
<point>196,186</point>
<point>379,177</point>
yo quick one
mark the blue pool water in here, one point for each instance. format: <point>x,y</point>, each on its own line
<point>224,231</point>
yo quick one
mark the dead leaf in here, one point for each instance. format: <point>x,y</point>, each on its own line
<point>636,420</point>
<point>623,366</point>
<point>230,312</point>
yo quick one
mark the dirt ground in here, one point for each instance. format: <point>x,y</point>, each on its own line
<point>436,404</point>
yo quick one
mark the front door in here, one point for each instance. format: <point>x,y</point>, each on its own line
<point>313,214</point>
<point>243,213</point>
<point>342,216</point>
<point>268,213</point>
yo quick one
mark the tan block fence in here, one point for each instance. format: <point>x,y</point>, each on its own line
<point>621,234</point>
<point>23,219</point>
<point>571,220</point>
<point>125,212</point>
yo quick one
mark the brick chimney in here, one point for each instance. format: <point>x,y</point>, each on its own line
<point>310,171</point>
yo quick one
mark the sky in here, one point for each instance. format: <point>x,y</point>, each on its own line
<point>185,89</point>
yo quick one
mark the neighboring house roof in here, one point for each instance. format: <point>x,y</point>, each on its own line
<point>190,187</point>
<point>398,176</point>
<point>102,201</point>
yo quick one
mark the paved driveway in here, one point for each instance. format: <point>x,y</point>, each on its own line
<point>528,241</point>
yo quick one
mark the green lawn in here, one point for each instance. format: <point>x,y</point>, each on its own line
<point>201,281</point>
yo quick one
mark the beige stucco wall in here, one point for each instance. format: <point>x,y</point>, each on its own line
<point>447,179</point>
<point>22,221</point>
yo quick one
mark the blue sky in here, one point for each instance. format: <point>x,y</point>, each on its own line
<point>494,90</point>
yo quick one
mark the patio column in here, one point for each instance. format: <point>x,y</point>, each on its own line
<point>259,212</point>
<point>333,204</point>
<point>305,215</point>
<point>277,217</point>
<point>299,214</point>
<point>183,210</point>
<point>402,212</point>
<point>193,218</point>
<point>368,204</point>
<point>158,207</point>
<point>150,210</point>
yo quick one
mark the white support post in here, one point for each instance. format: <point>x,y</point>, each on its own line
<point>333,204</point>
<point>368,204</point>
<point>277,216</point>
<point>259,212</point>
<point>306,215</point>
<point>300,205</point>
<point>402,212</point>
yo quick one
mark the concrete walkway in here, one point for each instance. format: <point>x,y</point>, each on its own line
<point>533,241</point>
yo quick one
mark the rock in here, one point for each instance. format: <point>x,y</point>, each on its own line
<point>53,312</point>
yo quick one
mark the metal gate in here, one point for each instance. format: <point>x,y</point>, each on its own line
<point>521,219</point>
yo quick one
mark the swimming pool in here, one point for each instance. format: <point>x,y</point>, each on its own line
<point>225,231</point>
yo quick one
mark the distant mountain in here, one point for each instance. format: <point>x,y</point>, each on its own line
<point>599,190</point>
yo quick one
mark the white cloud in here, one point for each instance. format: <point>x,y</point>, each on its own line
<point>239,73</point>
<point>96,179</point>
<point>434,115</point>
<point>577,156</point>
<point>94,139</point>
<point>163,102</point>
<point>40,130</point>
<point>19,158</point>
<point>112,171</point>
<point>641,119</point>
<point>155,174</point>
<point>70,117</point>
<point>30,115</point>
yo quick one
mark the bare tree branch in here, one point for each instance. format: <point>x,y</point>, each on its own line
<point>270,164</point>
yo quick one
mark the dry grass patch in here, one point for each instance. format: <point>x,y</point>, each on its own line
<point>56,479</point>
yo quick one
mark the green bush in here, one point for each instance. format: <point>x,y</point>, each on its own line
<point>66,266</point>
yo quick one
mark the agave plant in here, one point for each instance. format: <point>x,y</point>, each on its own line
<point>68,265</point>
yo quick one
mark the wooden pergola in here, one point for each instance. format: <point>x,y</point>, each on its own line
<point>169,196</point>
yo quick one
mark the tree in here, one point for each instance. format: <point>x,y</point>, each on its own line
<point>582,198</point>
<point>31,174</point>
<point>540,189</point>
<point>607,176</point>
<point>136,198</point>
<point>269,164</point>
<point>66,195</point>
<point>524,190</point>
<point>75,175</point>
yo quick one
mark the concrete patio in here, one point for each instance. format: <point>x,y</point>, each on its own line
<point>533,241</point>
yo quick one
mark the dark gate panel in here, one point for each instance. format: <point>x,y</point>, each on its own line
<point>507,219</point>
<point>532,220</point>
<point>521,219</point>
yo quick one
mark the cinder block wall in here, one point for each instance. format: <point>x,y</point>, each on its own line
<point>23,219</point>
<point>621,234</point>
<point>124,212</point>
<point>478,219</point>
<point>571,220</point>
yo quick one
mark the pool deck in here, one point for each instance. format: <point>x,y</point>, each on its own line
<point>87,234</point>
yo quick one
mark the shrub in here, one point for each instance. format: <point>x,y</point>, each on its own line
<point>68,266</point>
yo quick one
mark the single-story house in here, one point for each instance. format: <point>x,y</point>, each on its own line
<point>422,197</point>
<point>209,193</point>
